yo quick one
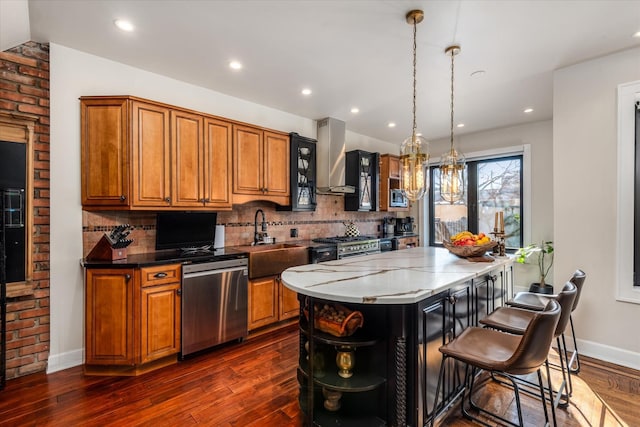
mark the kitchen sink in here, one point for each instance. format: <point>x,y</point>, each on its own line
<point>273,259</point>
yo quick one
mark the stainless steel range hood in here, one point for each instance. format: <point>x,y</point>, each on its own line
<point>331,148</point>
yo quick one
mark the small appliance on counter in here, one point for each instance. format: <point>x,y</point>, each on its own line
<point>405,226</point>
<point>389,223</point>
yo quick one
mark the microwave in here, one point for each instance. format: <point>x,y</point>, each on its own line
<point>397,199</point>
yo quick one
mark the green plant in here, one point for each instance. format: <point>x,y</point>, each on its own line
<point>544,251</point>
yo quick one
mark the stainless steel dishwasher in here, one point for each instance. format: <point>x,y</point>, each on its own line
<point>214,304</point>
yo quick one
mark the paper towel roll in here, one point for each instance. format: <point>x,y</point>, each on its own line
<point>219,239</point>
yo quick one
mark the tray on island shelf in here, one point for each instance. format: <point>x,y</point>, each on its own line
<point>335,319</point>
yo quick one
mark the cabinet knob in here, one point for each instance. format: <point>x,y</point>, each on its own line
<point>179,292</point>
<point>167,199</point>
<point>127,277</point>
<point>123,198</point>
<point>207,200</point>
<point>453,299</point>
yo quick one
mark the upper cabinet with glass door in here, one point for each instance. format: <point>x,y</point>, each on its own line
<point>303,174</point>
<point>362,170</point>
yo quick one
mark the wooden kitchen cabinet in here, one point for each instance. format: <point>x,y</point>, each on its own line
<point>390,179</point>
<point>201,161</point>
<point>289,305</point>
<point>132,319</point>
<point>160,328</point>
<point>143,155</point>
<point>109,325</point>
<point>263,301</point>
<point>270,302</point>
<point>260,165</point>
<point>150,160</point>
<point>406,242</point>
<point>105,152</point>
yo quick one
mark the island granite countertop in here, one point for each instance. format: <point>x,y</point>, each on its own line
<point>394,277</point>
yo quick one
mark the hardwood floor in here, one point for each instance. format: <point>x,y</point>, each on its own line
<point>254,384</point>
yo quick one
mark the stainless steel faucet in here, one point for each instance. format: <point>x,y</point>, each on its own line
<point>259,236</point>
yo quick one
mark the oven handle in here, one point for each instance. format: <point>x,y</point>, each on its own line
<point>215,271</point>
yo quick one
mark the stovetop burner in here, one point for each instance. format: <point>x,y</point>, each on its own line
<point>343,239</point>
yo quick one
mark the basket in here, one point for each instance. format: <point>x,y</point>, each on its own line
<point>469,251</point>
<point>336,319</point>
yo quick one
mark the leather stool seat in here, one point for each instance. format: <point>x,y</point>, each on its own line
<point>516,320</point>
<point>505,354</point>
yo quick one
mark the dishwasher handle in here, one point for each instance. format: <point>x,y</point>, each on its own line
<point>245,272</point>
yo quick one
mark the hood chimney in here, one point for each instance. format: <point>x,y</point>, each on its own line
<point>330,157</point>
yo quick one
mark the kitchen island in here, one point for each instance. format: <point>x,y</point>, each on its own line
<point>412,302</point>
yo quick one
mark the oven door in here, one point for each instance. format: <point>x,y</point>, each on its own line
<point>323,253</point>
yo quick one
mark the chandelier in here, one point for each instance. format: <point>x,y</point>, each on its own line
<point>414,151</point>
<point>452,180</point>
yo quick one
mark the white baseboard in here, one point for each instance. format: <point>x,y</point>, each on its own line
<point>607,353</point>
<point>59,362</point>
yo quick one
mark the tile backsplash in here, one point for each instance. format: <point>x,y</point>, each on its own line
<point>327,220</point>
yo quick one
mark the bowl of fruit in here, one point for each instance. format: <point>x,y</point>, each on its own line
<point>466,244</point>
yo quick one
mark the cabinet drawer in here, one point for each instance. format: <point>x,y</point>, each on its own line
<point>159,275</point>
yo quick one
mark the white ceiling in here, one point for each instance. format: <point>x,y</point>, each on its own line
<point>355,52</point>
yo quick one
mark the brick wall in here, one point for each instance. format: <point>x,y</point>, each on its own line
<point>24,88</point>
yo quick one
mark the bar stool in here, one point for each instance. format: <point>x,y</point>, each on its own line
<point>515,321</point>
<point>534,301</point>
<point>504,354</point>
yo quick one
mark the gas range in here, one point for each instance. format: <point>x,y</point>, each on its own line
<point>352,245</point>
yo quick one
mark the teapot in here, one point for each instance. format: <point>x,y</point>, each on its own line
<point>352,230</point>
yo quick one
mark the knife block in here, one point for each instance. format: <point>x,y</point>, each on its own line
<point>104,251</point>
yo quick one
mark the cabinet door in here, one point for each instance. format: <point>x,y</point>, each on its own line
<point>187,159</point>
<point>105,177</point>
<point>289,305</point>
<point>109,317</point>
<point>150,164</point>
<point>263,302</point>
<point>362,171</point>
<point>276,164</point>
<point>247,161</point>
<point>217,164</point>
<point>160,322</point>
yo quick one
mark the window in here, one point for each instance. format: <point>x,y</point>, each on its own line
<point>628,96</point>
<point>636,226</point>
<point>492,185</point>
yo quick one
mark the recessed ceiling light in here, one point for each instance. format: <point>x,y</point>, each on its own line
<point>306,91</point>
<point>124,25</point>
<point>636,34</point>
<point>355,110</point>
<point>460,125</point>
<point>478,73</point>
<point>235,65</point>
<point>391,125</point>
<point>528,110</point>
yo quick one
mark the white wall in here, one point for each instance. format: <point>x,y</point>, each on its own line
<point>74,74</point>
<point>585,172</point>
<point>539,137</point>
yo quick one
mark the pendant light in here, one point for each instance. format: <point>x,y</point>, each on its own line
<point>414,151</point>
<point>452,170</point>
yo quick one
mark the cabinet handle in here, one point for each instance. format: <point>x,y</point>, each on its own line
<point>160,275</point>
<point>123,198</point>
<point>167,199</point>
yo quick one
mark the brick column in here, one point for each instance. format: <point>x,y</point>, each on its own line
<point>24,89</point>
